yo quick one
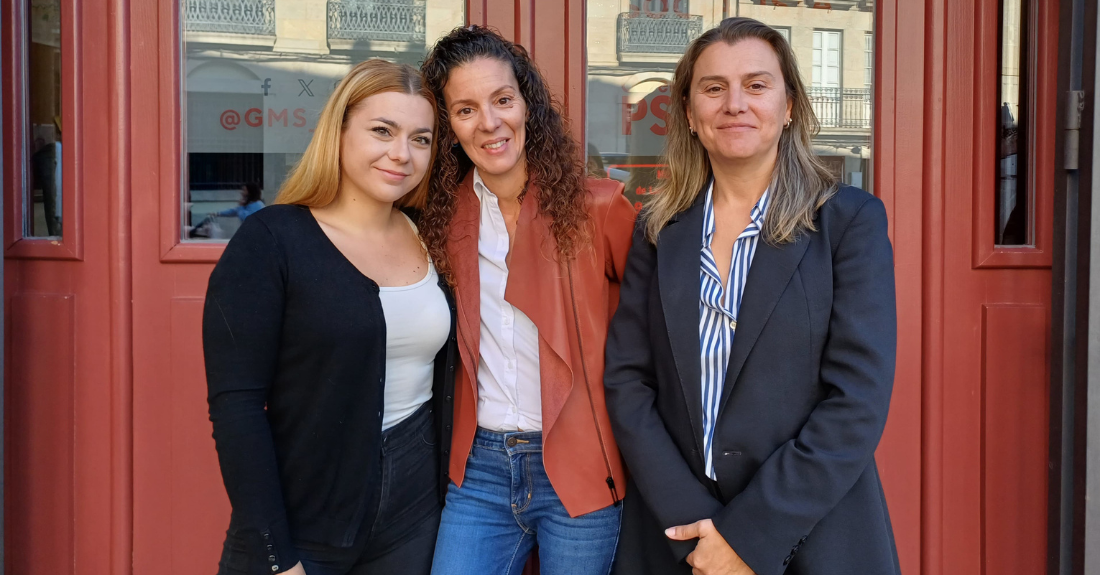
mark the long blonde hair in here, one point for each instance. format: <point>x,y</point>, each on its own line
<point>801,182</point>
<point>315,180</point>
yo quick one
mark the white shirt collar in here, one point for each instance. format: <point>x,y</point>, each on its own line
<point>480,188</point>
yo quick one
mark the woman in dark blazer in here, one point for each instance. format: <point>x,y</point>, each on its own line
<point>751,359</point>
<point>330,349</point>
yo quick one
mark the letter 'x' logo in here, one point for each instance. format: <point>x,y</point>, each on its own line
<point>305,87</point>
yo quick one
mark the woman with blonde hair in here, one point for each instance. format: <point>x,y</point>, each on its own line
<point>329,345</point>
<point>751,359</point>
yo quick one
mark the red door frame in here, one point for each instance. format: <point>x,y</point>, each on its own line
<point>134,460</point>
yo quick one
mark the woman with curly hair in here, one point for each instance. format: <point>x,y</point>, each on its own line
<point>535,251</point>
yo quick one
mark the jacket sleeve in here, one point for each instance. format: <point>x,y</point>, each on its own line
<point>806,478</point>
<point>664,480</point>
<point>241,330</point>
<point>618,223</point>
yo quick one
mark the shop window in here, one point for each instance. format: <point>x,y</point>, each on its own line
<point>1014,203</point>
<point>42,209</point>
<point>629,74</point>
<point>256,76</point>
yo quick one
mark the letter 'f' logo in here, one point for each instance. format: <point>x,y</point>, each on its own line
<point>266,85</point>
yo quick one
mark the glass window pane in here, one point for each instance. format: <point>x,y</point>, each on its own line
<point>1013,208</point>
<point>42,204</point>
<point>632,54</point>
<point>256,75</point>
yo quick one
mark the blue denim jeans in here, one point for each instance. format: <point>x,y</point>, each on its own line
<point>506,505</point>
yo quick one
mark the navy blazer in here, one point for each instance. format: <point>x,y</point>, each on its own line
<point>803,406</point>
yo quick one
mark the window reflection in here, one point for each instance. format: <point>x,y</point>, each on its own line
<point>256,75</point>
<point>42,205</point>
<point>1013,201</point>
<point>633,47</point>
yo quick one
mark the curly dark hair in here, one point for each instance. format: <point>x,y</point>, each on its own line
<point>553,163</point>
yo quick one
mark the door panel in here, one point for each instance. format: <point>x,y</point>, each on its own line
<point>1014,457</point>
<point>39,438</point>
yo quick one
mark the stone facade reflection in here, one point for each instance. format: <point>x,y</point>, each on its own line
<point>633,47</point>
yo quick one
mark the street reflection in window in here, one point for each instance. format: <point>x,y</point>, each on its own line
<point>1013,201</point>
<point>42,213</point>
<point>633,47</point>
<point>256,75</point>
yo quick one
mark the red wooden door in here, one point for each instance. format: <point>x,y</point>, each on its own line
<point>986,306</point>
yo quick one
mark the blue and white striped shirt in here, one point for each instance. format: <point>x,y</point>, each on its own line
<point>718,310</point>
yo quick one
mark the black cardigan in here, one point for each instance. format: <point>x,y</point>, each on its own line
<point>290,323</point>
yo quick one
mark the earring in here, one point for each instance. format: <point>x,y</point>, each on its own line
<point>692,130</point>
<point>788,124</point>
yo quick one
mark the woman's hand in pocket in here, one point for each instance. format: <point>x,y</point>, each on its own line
<point>296,570</point>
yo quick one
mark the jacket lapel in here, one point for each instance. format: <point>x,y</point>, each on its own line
<point>537,286</point>
<point>679,248</point>
<point>462,252</point>
<point>771,271</point>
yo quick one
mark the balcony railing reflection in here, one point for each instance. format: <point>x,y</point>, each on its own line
<point>384,20</point>
<point>657,32</point>
<point>256,17</point>
<point>842,107</point>
<point>838,5</point>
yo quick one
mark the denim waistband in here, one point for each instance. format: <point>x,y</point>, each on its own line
<point>408,429</point>
<point>513,441</point>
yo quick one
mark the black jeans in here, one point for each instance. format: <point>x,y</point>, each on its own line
<point>399,528</point>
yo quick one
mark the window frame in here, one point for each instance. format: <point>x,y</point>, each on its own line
<point>869,50</point>
<point>840,55</point>
<point>16,47</point>
<point>168,110</point>
<point>1041,65</point>
<point>784,31</point>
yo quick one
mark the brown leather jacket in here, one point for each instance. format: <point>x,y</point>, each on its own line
<point>580,455</point>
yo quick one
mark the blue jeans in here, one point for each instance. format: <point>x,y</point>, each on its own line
<point>506,505</point>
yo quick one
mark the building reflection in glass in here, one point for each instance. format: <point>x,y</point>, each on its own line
<point>633,47</point>
<point>258,72</point>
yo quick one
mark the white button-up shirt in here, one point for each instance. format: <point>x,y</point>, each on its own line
<point>508,385</point>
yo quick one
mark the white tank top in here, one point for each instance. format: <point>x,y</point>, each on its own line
<point>418,322</point>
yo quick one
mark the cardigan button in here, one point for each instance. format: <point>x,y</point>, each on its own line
<point>447,399</point>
